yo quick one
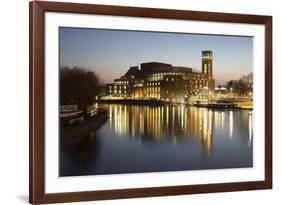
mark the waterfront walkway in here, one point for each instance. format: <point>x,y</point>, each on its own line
<point>215,105</point>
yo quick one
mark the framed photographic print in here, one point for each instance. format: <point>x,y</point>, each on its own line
<point>138,102</point>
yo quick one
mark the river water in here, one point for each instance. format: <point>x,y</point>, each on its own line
<point>161,138</point>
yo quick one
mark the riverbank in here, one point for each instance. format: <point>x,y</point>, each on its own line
<point>68,133</point>
<point>247,105</point>
<point>152,102</point>
<point>225,106</point>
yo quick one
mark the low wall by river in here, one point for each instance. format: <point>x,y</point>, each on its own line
<point>133,102</point>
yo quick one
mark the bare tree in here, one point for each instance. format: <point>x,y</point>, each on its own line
<point>242,86</point>
<point>78,86</point>
<point>191,89</point>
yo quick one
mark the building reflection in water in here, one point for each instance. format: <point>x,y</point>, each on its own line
<point>172,123</point>
<point>250,128</point>
<point>164,123</point>
<point>150,138</point>
<point>230,124</point>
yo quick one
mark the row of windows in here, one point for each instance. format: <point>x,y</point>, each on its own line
<point>155,78</point>
<point>169,73</point>
<point>150,89</point>
<point>121,95</point>
<point>159,76</point>
<point>117,91</point>
<point>187,78</point>
<point>153,96</point>
<point>150,93</point>
<point>123,88</point>
<point>153,89</point>
<point>152,84</point>
<point>119,82</point>
<point>118,87</point>
<point>192,78</point>
<point>172,79</point>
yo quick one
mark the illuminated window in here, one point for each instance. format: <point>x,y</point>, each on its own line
<point>167,79</point>
<point>172,79</point>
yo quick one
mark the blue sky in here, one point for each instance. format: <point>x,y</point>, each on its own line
<point>111,52</point>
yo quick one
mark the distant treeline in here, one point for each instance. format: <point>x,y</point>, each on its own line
<point>78,86</point>
<point>242,86</point>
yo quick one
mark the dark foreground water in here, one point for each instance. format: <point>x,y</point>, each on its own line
<point>162,138</point>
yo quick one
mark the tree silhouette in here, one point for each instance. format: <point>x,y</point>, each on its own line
<point>242,86</point>
<point>191,89</point>
<point>78,86</point>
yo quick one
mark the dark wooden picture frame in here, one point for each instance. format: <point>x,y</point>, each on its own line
<point>36,142</point>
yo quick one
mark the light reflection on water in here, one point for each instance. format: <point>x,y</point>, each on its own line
<point>162,138</point>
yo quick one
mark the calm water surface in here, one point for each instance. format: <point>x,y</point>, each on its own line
<point>161,138</point>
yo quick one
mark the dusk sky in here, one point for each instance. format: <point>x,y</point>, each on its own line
<point>110,53</point>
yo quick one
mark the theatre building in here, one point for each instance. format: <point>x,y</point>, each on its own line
<point>161,81</point>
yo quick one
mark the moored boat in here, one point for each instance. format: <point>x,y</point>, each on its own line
<point>74,126</point>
